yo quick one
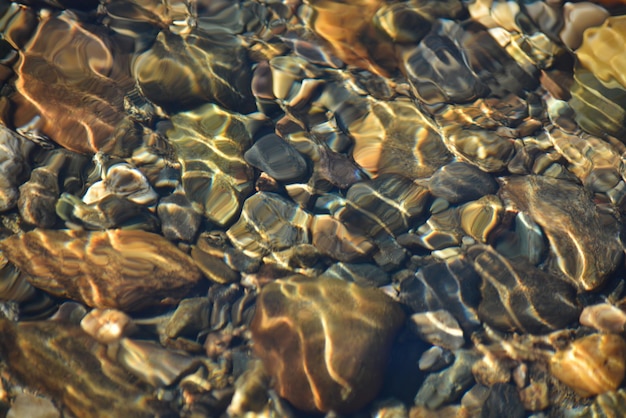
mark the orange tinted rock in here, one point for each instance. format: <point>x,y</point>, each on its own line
<point>349,29</point>
<point>72,79</point>
<point>591,365</point>
<point>123,269</point>
<point>325,341</point>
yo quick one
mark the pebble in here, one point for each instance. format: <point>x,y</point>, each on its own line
<point>452,285</point>
<point>39,352</point>
<point>78,103</point>
<point>333,239</point>
<point>387,205</point>
<point>438,328</point>
<point>38,196</point>
<point>210,142</point>
<point>449,384</point>
<point>269,222</point>
<point>182,72</point>
<point>583,244</point>
<point>14,167</point>
<point>599,90</point>
<point>154,364</point>
<point>604,317</point>
<point>481,217</point>
<point>190,317</point>
<point>27,405</point>
<point>578,17</point>
<point>435,358</point>
<point>107,325</point>
<point>179,221</point>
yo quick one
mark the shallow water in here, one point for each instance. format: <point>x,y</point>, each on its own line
<point>283,208</point>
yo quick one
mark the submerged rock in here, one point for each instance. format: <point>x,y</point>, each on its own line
<point>599,90</point>
<point>276,157</point>
<point>14,166</point>
<point>584,245</point>
<point>71,83</point>
<point>517,296</point>
<point>122,269</point>
<point>269,222</point>
<point>460,182</point>
<point>325,341</point>
<point>182,72</point>
<point>591,365</point>
<point>210,143</point>
<point>66,363</point>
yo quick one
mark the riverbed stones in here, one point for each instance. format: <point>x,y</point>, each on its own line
<point>325,341</point>
<point>164,90</point>
<point>438,328</point>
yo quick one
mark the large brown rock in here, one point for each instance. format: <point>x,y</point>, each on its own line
<point>64,362</point>
<point>325,341</point>
<point>72,78</point>
<point>123,269</point>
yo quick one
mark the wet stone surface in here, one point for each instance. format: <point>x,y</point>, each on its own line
<point>327,359</point>
<point>408,208</point>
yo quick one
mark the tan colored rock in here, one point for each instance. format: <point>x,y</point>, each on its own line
<point>122,269</point>
<point>325,341</point>
<point>591,365</point>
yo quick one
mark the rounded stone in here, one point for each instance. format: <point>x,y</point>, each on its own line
<point>325,341</point>
<point>276,157</point>
<point>591,365</point>
<point>459,182</point>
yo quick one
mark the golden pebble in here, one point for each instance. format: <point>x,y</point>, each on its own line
<point>578,18</point>
<point>602,50</point>
<point>107,325</point>
<point>591,365</point>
